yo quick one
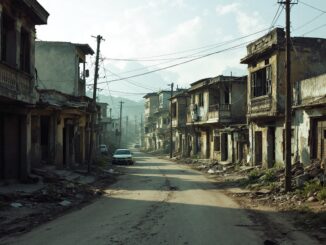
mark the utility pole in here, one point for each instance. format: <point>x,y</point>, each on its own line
<point>288,101</point>
<point>111,113</point>
<point>93,116</point>
<point>120,123</point>
<point>171,135</point>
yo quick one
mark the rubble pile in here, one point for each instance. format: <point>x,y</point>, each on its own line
<point>20,211</point>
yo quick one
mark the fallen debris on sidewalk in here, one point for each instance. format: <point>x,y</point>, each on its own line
<point>57,191</point>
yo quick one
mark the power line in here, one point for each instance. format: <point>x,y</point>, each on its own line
<point>309,22</point>
<point>181,63</point>
<point>276,16</point>
<point>313,7</point>
<point>206,48</point>
<point>315,29</point>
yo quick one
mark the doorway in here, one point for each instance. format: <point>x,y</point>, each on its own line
<point>258,148</point>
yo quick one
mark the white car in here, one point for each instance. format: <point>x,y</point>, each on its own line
<point>122,156</point>
<point>104,150</point>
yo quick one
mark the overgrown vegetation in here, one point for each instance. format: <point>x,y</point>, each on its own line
<point>313,188</point>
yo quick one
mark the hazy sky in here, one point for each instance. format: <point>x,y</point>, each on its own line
<point>148,29</point>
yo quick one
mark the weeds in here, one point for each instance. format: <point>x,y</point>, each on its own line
<point>322,194</point>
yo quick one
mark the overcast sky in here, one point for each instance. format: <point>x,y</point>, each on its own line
<point>150,29</point>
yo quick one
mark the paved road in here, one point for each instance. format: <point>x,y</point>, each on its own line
<point>156,202</point>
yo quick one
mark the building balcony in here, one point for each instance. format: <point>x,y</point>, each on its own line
<point>261,104</point>
<point>219,112</point>
<point>15,85</point>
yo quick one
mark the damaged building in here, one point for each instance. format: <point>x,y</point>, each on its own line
<point>179,104</point>
<point>215,115</point>
<point>309,122</point>
<point>17,84</point>
<point>266,90</point>
<point>60,122</point>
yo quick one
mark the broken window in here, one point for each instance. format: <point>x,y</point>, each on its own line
<point>201,99</point>
<point>25,46</point>
<point>261,82</point>
<point>174,110</point>
<point>227,96</point>
<point>8,40</point>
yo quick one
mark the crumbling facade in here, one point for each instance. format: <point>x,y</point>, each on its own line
<point>266,90</point>
<point>215,105</point>
<point>309,122</point>
<point>179,104</point>
<point>60,122</point>
<point>17,84</point>
<point>151,106</point>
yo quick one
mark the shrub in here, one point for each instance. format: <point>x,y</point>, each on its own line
<point>322,194</point>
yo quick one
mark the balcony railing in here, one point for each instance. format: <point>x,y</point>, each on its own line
<point>15,84</point>
<point>219,111</point>
<point>261,104</point>
<point>219,107</point>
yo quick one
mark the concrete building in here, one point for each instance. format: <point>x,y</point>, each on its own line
<point>17,84</point>
<point>309,124</point>
<point>151,106</point>
<point>266,89</point>
<point>162,117</point>
<point>216,103</point>
<point>179,104</point>
<point>60,122</point>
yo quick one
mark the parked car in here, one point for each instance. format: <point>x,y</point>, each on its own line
<point>104,150</point>
<point>136,146</point>
<point>122,156</point>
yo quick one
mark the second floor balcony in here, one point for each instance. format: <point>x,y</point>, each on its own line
<point>15,84</point>
<point>219,112</point>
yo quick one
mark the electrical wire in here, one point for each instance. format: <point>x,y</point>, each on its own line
<point>313,7</point>
<point>309,22</point>
<point>315,29</point>
<point>181,63</point>
<point>213,46</point>
<point>276,16</point>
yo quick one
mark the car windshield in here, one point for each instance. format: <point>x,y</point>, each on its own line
<point>122,152</point>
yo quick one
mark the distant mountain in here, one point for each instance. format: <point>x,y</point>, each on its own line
<point>130,108</point>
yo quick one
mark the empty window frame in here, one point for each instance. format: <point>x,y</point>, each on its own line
<point>174,110</point>
<point>201,99</point>
<point>261,82</point>
<point>25,48</point>
<point>8,40</point>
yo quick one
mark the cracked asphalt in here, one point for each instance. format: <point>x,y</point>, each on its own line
<point>155,202</point>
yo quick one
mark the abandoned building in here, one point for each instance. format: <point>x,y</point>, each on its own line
<point>309,122</point>
<point>266,89</point>
<point>179,105</point>
<point>216,112</point>
<point>162,116</point>
<point>151,106</point>
<point>17,84</point>
<point>60,121</point>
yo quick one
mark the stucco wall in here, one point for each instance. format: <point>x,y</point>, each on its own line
<point>57,66</point>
